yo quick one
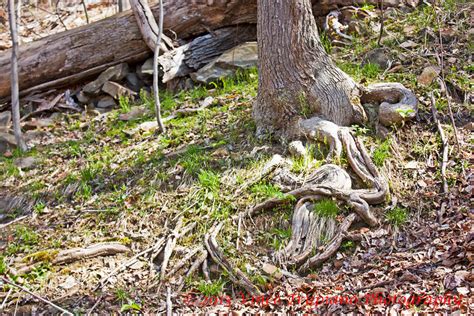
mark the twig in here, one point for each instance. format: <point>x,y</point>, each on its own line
<point>85,10</point>
<point>6,298</point>
<point>382,21</point>
<point>15,90</point>
<point>169,304</point>
<point>448,96</point>
<point>36,296</point>
<point>157,246</point>
<point>94,306</point>
<point>13,221</point>
<point>155,72</point>
<point>59,16</point>
<point>444,142</point>
<point>378,284</point>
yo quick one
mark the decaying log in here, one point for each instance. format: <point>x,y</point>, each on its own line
<point>114,40</point>
<point>203,49</point>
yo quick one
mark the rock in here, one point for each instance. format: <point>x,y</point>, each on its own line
<point>115,73</point>
<point>144,127</point>
<point>26,162</point>
<point>147,67</point>
<point>408,44</point>
<point>135,113</point>
<point>395,114</point>
<point>106,102</point>
<point>5,121</point>
<point>428,75</point>
<point>38,123</point>
<point>243,56</point>
<point>69,283</point>
<point>134,82</point>
<point>7,142</point>
<point>271,270</point>
<point>296,148</point>
<point>469,126</point>
<point>82,98</point>
<point>116,90</point>
<point>378,57</point>
<point>206,102</point>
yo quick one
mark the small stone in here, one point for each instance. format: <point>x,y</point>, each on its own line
<point>243,56</point>
<point>411,165</point>
<point>115,73</point>
<point>82,97</point>
<point>5,120</point>
<point>408,44</point>
<point>147,67</point>
<point>106,102</point>
<point>134,82</point>
<point>206,102</point>
<point>271,270</point>
<point>7,142</point>
<point>25,163</point>
<point>296,148</point>
<point>135,113</point>
<point>116,90</point>
<point>69,283</point>
<point>378,57</point>
<point>38,123</point>
<point>395,114</point>
<point>148,126</point>
<point>428,75</point>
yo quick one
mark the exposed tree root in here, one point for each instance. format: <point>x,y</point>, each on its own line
<point>237,276</point>
<point>308,228</point>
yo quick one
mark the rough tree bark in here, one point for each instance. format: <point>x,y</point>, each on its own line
<point>297,77</point>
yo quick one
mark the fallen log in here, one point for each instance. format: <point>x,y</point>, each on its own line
<point>78,54</point>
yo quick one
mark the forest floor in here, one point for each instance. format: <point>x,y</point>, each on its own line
<point>94,178</point>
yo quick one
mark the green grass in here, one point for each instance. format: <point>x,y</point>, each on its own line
<point>39,207</point>
<point>124,104</point>
<point>280,237</point>
<point>194,159</point>
<point>24,240</point>
<point>208,179</point>
<point>326,208</point>
<point>397,216</point>
<point>382,152</point>
<point>213,288</point>
<point>266,190</point>
<point>3,265</point>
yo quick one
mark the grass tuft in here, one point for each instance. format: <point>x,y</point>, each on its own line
<point>397,216</point>
<point>326,208</point>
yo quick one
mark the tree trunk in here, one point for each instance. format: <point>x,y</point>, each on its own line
<point>297,79</point>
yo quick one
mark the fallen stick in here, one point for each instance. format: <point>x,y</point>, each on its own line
<point>13,221</point>
<point>440,58</point>
<point>71,255</point>
<point>157,246</point>
<point>444,142</point>
<point>36,296</point>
